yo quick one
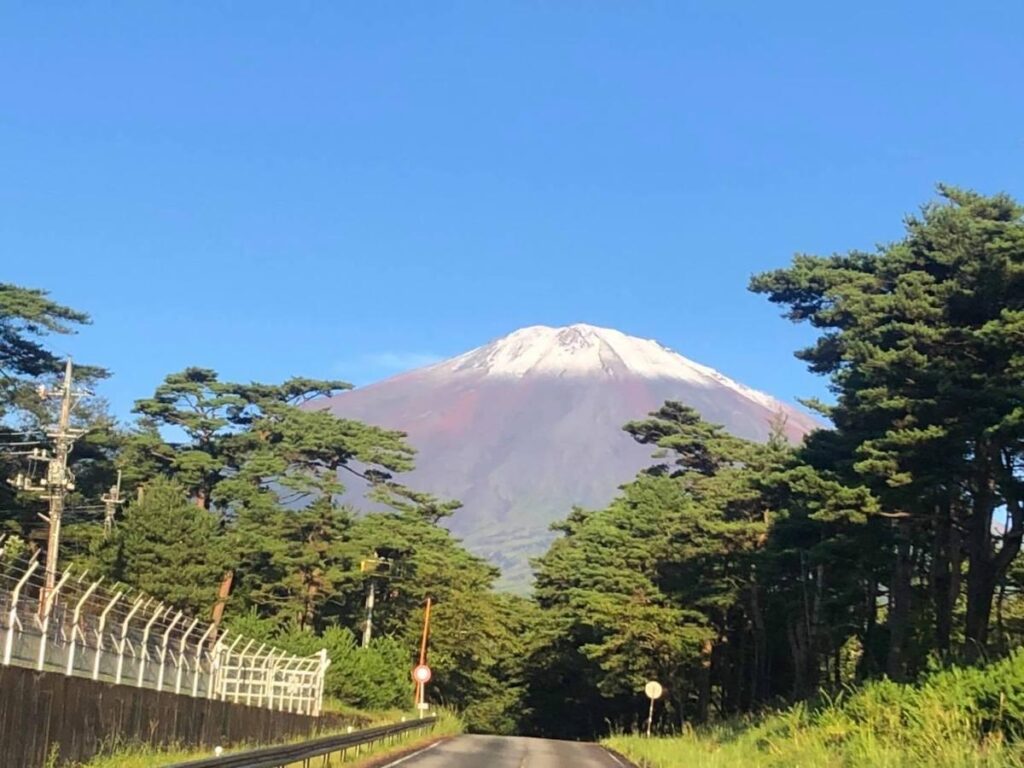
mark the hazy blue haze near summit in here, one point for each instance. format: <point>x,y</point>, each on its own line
<point>352,188</point>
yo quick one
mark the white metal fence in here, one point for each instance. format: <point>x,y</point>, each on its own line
<point>111,633</point>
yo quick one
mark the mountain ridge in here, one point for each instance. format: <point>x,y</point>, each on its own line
<point>524,427</point>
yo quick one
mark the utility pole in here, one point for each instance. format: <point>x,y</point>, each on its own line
<point>111,500</point>
<point>420,687</point>
<point>378,567</point>
<point>426,630</point>
<point>368,628</point>
<point>59,479</point>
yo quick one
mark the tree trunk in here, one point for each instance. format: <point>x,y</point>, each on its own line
<point>988,564</point>
<point>759,668</point>
<point>945,573</point>
<point>222,598</point>
<point>868,664</point>
<point>900,591</point>
<point>798,651</point>
<point>805,638</point>
<point>982,575</point>
<point>725,665</point>
<point>815,640</point>
<point>309,610</point>
<point>1000,633</point>
<point>704,683</point>
<point>981,588</point>
<point>742,661</point>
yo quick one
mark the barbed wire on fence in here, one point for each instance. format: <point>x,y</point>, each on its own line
<point>112,633</point>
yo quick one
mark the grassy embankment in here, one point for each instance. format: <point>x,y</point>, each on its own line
<point>148,757</point>
<point>956,718</point>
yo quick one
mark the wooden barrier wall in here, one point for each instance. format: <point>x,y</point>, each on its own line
<point>41,712</point>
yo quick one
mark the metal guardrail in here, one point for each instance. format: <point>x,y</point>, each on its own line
<point>277,757</point>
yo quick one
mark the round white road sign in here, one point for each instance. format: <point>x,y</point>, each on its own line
<point>653,690</point>
<point>421,674</point>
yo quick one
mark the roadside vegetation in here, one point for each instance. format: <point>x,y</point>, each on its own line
<point>235,487</point>
<point>746,576</point>
<point>957,718</point>
<point>448,724</point>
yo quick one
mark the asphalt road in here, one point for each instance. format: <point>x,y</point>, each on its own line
<point>509,752</point>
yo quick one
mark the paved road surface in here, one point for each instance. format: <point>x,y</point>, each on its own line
<point>509,752</point>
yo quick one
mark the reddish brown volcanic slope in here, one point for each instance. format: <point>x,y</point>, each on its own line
<point>523,428</point>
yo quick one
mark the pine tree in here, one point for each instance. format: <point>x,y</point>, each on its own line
<point>27,318</point>
<point>922,345</point>
<point>169,548</point>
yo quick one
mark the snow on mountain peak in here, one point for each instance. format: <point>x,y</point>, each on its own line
<point>587,350</point>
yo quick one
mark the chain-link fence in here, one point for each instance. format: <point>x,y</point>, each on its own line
<point>86,628</point>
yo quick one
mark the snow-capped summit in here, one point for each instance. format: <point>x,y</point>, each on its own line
<point>575,350</point>
<point>587,350</point>
<point>523,428</point>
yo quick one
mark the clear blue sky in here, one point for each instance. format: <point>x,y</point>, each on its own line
<point>347,188</point>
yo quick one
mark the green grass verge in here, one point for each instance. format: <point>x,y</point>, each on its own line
<point>362,717</point>
<point>957,718</point>
<point>140,756</point>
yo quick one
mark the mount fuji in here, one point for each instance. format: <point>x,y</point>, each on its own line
<point>523,428</point>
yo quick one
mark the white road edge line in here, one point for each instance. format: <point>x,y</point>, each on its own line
<point>613,757</point>
<point>401,760</point>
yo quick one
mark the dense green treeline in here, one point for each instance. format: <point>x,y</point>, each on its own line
<point>743,575</point>
<point>740,575</point>
<point>231,514</point>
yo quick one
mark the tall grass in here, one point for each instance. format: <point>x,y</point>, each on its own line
<point>956,718</point>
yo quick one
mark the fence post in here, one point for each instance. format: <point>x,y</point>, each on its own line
<point>238,669</point>
<point>250,673</point>
<point>99,635</point>
<point>122,641</point>
<point>268,680</point>
<point>216,665</point>
<point>275,683</point>
<point>294,696</point>
<point>145,639</point>
<point>181,653</point>
<point>75,618</point>
<point>44,627</point>
<point>325,662</point>
<point>12,617</point>
<point>199,659</point>
<point>225,657</point>
<point>163,651</point>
